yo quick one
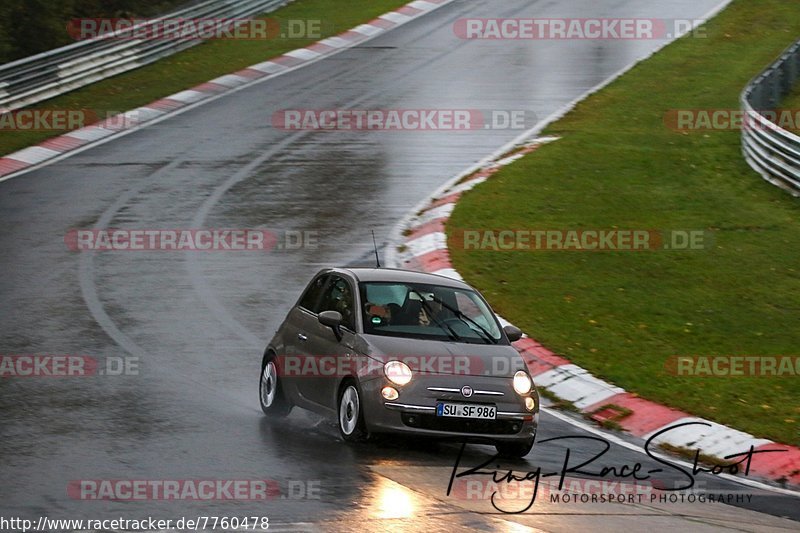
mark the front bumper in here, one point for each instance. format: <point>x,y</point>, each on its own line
<point>414,412</point>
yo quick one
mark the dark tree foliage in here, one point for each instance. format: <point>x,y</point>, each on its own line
<point>28,27</point>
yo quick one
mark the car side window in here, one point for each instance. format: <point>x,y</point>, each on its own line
<point>311,298</point>
<point>338,296</point>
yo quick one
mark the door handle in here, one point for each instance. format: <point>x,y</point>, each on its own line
<point>302,337</point>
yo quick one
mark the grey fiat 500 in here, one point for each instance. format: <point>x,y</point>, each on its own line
<point>395,351</point>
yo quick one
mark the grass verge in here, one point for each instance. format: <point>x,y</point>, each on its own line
<point>792,102</point>
<point>623,314</point>
<point>200,64</point>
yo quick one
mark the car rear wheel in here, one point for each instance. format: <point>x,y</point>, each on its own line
<point>270,392</point>
<point>514,450</point>
<point>351,416</point>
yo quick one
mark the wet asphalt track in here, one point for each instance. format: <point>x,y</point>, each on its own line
<point>198,322</point>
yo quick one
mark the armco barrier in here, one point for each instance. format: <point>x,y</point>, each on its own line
<point>36,78</point>
<point>772,151</point>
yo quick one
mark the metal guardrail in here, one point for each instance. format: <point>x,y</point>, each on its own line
<point>42,76</point>
<point>772,151</point>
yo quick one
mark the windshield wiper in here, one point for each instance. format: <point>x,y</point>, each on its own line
<point>467,320</point>
<point>445,327</point>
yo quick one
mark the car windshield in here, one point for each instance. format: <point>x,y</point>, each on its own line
<point>425,311</point>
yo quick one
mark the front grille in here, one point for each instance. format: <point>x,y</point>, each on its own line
<point>461,425</point>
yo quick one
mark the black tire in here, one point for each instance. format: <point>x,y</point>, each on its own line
<point>350,414</point>
<point>270,390</point>
<point>514,450</point>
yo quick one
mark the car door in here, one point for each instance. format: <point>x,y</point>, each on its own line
<point>295,359</point>
<point>334,357</point>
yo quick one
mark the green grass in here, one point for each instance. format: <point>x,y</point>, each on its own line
<point>792,101</point>
<point>201,63</point>
<point>622,314</point>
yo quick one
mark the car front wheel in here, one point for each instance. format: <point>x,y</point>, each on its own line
<point>270,393</point>
<point>351,416</point>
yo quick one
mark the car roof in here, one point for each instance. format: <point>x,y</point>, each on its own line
<point>401,276</point>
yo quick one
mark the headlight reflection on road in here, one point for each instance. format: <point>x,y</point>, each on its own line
<point>393,501</point>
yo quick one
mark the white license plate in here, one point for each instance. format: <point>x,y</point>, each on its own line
<point>462,410</point>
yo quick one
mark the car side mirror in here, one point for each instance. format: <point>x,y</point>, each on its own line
<point>332,319</point>
<point>513,333</point>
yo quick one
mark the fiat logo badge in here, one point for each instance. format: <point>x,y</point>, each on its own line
<point>466,391</point>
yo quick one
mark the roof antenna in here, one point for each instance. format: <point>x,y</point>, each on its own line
<point>377,260</point>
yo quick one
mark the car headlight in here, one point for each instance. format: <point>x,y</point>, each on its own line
<point>397,372</point>
<point>522,382</point>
